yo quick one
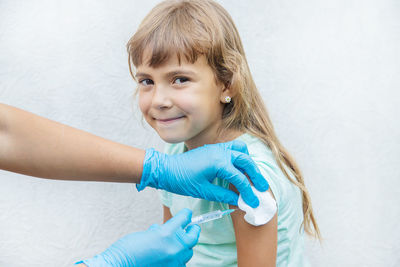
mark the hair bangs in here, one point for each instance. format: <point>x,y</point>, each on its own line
<point>161,48</point>
<point>176,34</point>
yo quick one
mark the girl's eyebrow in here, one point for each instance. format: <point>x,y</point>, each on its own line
<point>179,72</point>
<point>169,74</point>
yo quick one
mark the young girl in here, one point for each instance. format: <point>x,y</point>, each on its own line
<point>195,88</point>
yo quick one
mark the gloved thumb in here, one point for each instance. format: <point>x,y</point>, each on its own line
<point>180,220</point>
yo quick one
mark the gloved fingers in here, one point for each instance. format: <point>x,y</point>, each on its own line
<point>191,236</point>
<point>217,193</point>
<point>244,163</point>
<point>188,238</point>
<point>239,180</point>
<point>180,220</point>
<point>236,145</point>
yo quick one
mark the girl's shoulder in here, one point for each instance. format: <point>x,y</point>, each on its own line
<point>258,150</point>
<point>255,146</point>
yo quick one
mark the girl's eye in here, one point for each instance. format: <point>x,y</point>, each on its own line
<point>181,80</point>
<point>146,82</point>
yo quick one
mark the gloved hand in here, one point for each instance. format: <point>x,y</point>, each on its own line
<point>161,245</point>
<point>192,172</point>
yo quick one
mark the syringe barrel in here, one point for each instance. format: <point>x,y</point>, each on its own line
<point>206,217</point>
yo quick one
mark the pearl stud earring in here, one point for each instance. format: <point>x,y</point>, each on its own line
<point>227,99</point>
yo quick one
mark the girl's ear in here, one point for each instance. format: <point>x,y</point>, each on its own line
<point>226,94</point>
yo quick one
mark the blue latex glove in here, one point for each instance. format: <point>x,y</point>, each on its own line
<point>192,172</point>
<point>161,245</point>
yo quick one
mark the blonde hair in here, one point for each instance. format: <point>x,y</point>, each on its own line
<point>191,28</point>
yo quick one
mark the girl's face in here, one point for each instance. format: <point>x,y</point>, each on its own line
<point>181,102</point>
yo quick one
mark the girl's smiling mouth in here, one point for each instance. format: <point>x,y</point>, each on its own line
<point>169,120</point>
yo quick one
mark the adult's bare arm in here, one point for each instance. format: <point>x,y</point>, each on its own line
<point>36,146</point>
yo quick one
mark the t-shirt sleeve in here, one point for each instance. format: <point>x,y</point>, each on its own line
<point>270,174</point>
<point>269,169</point>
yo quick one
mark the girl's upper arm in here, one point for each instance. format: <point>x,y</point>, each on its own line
<point>256,245</point>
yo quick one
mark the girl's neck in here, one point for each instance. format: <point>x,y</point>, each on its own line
<point>213,137</point>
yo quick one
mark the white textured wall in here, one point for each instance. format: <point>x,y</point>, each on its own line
<point>328,72</point>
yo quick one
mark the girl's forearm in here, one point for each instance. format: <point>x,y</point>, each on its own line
<point>36,146</point>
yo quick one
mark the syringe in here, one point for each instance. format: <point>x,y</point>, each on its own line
<point>210,216</point>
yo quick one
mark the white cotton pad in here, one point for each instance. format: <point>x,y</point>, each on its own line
<point>263,213</point>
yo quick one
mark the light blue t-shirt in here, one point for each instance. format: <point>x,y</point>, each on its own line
<point>217,242</point>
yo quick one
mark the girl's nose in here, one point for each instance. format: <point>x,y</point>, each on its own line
<point>161,98</point>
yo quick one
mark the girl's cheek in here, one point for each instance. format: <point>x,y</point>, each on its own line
<point>188,102</point>
<point>144,102</point>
